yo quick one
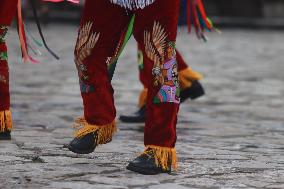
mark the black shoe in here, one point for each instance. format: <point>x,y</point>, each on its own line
<point>145,164</point>
<point>84,145</point>
<point>6,135</point>
<point>137,117</point>
<point>193,92</point>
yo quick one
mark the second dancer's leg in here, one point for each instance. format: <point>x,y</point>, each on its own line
<point>97,40</point>
<point>7,13</point>
<point>190,86</point>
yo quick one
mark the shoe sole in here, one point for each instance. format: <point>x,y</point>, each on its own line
<point>74,150</point>
<point>5,138</point>
<point>193,92</point>
<point>126,119</point>
<point>142,171</point>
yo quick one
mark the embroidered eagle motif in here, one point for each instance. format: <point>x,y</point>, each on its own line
<point>155,48</point>
<point>85,44</point>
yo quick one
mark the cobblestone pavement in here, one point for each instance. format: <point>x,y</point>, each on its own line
<point>231,138</point>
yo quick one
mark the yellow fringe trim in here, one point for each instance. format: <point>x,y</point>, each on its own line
<point>105,132</point>
<point>143,98</point>
<point>186,77</point>
<point>6,120</point>
<point>164,156</point>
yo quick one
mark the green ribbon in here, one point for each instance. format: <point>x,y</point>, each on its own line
<point>112,65</point>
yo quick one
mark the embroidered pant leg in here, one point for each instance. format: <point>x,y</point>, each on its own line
<point>7,12</point>
<point>101,27</point>
<point>156,28</point>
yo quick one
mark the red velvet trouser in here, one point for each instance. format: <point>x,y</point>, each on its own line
<point>7,13</point>
<point>155,28</point>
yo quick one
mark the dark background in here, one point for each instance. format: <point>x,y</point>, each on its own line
<point>226,13</point>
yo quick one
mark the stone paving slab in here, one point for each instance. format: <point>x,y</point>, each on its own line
<point>231,138</point>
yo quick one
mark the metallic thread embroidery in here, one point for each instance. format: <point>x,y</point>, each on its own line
<point>155,44</point>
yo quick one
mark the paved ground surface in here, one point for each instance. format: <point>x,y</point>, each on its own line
<point>231,138</point>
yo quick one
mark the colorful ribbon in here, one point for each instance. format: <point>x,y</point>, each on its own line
<point>196,16</point>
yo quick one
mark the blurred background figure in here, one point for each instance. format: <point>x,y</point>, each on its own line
<point>246,13</point>
<point>232,13</point>
<point>54,12</point>
<point>43,10</point>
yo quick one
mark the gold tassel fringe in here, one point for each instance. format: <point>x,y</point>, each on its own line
<point>186,77</point>
<point>6,121</point>
<point>143,98</point>
<point>105,132</point>
<point>165,158</point>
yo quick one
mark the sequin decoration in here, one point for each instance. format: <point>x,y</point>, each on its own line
<point>170,90</point>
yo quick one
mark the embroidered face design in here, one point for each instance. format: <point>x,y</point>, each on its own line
<point>171,52</point>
